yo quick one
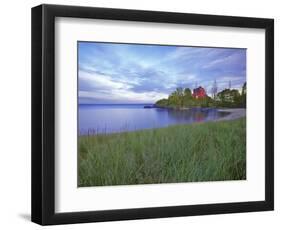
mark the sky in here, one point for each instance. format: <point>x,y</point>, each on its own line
<point>114,73</point>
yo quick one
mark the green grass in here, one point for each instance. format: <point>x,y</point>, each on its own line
<point>212,151</point>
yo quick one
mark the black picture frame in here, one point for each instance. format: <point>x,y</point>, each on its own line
<point>43,114</point>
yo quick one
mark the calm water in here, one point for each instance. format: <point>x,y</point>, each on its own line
<point>120,118</point>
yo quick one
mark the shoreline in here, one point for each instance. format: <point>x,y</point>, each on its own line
<point>234,113</point>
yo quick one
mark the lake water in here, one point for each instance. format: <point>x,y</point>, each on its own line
<point>121,118</point>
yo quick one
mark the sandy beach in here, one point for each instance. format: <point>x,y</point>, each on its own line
<point>233,114</point>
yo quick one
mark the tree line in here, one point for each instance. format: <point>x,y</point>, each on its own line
<point>182,97</point>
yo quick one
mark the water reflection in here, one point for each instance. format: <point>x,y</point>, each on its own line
<point>194,115</point>
<point>95,119</point>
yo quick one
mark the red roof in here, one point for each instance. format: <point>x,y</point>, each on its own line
<point>199,92</point>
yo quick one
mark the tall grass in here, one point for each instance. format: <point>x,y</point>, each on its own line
<point>212,151</point>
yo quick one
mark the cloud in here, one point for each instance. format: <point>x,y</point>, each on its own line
<point>233,60</point>
<point>102,81</point>
<point>103,87</point>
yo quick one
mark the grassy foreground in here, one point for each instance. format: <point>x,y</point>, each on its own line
<point>212,151</point>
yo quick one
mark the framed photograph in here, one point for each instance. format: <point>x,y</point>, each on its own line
<point>136,114</point>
